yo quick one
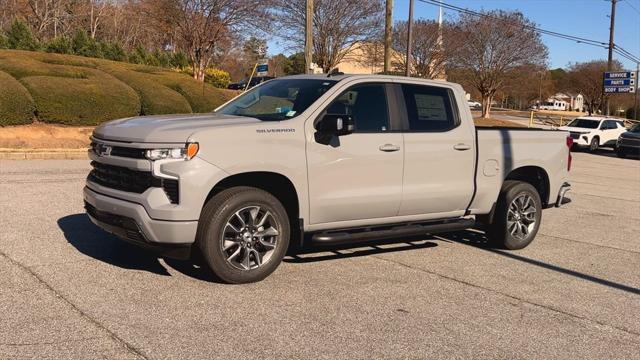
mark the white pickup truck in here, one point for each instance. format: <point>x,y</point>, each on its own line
<point>320,159</point>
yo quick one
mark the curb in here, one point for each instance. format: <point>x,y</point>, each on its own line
<point>43,154</point>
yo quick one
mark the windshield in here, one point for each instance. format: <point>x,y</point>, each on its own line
<point>584,123</point>
<point>635,129</point>
<point>278,99</point>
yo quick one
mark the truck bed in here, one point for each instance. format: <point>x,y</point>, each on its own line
<point>501,150</point>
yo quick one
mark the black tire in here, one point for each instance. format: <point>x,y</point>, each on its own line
<point>594,144</point>
<point>213,221</point>
<point>500,232</point>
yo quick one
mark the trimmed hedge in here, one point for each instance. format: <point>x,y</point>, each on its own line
<point>92,100</point>
<point>155,98</point>
<point>16,104</point>
<point>76,90</point>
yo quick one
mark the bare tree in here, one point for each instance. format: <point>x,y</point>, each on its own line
<point>495,44</point>
<point>586,78</point>
<point>337,26</point>
<point>202,25</point>
<point>432,47</point>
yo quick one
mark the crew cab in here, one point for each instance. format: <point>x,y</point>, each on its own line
<point>594,131</point>
<point>323,160</point>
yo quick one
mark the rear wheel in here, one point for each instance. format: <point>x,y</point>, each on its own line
<point>593,145</point>
<point>243,234</point>
<point>517,216</point>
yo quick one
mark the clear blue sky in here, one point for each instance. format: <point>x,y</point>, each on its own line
<point>584,18</point>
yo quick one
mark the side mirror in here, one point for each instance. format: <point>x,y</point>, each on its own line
<point>337,125</point>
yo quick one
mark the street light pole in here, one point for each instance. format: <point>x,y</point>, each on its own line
<point>409,39</point>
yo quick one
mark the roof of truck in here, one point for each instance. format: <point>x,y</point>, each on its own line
<point>340,76</point>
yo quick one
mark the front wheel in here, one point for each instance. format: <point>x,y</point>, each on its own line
<point>243,234</point>
<point>517,216</point>
<point>621,153</point>
<point>593,145</point>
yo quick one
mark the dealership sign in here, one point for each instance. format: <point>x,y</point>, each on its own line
<point>620,82</point>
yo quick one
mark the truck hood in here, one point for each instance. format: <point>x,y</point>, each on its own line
<point>165,128</point>
<point>575,129</point>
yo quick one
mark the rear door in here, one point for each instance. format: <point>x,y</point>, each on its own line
<point>439,153</point>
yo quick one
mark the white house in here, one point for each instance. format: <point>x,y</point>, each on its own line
<point>564,102</point>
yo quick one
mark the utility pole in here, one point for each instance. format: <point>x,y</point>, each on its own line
<point>388,27</point>
<point>308,38</point>
<point>635,94</point>
<point>611,29</point>
<point>407,71</point>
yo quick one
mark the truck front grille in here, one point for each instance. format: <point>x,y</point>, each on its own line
<point>120,151</point>
<point>123,179</point>
<point>135,181</point>
<point>574,135</point>
<point>624,141</point>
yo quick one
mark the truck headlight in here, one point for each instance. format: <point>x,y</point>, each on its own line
<point>186,153</point>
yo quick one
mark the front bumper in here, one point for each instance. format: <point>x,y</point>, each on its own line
<point>131,222</point>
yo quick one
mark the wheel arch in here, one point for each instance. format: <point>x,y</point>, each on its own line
<point>536,176</point>
<point>274,183</point>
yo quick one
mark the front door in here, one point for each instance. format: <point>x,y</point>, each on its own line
<point>357,176</point>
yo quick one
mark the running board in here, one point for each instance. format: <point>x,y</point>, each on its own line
<point>391,231</point>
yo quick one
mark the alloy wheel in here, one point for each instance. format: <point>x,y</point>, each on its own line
<point>521,216</point>
<point>249,237</point>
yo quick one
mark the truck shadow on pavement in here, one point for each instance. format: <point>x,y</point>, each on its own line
<point>90,240</point>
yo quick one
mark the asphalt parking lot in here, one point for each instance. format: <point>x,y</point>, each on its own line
<point>69,290</point>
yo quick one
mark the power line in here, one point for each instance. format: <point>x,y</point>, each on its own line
<point>628,2</point>
<point>619,50</point>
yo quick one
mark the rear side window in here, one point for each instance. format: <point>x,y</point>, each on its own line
<point>429,108</point>
<point>609,124</point>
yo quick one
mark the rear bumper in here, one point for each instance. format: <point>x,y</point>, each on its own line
<point>562,199</point>
<point>132,223</point>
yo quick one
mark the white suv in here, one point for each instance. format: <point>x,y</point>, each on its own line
<point>593,132</point>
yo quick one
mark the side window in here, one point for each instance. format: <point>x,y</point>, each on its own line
<point>429,108</point>
<point>608,124</point>
<point>367,104</point>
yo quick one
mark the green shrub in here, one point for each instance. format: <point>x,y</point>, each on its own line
<point>218,78</point>
<point>154,97</point>
<point>16,104</point>
<point>179,60</point>
<point>20,37</point>
<point>113,51</point>
<point>90,101</point>
<point>83,45</point>
<point>59,45</point>
<point>4,42</point>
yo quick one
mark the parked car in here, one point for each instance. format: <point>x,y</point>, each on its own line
<point>340,159</point>
<point>594,131</point>
<point>241,85</point>
<point>474,104</point>
<point>629,142</point>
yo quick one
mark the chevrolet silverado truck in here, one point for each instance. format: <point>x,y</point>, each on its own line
<point>323,160</point>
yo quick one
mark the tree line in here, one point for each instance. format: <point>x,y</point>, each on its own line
<point>499,57</point>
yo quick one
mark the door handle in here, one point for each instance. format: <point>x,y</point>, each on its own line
<point>389,148</point>
<point>461,147</point>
